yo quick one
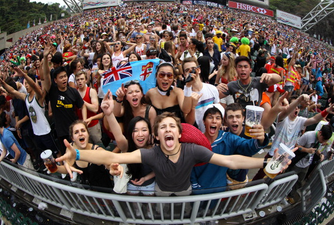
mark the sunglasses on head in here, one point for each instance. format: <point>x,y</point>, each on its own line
<point>163,75</point>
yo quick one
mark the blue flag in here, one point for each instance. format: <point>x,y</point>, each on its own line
<point>143,71</point>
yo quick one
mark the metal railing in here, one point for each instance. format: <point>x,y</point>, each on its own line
<point>161,210</point>
<point>316,186</point>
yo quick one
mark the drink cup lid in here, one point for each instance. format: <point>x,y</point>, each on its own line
<point>287,150</point>
<point>46,154</point>
<point>254,108</point>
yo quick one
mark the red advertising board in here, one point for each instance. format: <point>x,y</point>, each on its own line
<point>250,8</point>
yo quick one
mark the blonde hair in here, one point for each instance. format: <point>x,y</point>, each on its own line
<point>228,70</point>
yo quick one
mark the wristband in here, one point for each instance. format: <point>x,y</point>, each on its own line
<point>265,162</point>
<point>187,91</point>
<point>324,113</point>
<point>118,101</point>
<point>77,157</point>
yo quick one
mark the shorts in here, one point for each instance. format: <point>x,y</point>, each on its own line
<point>145,190</point>
<point>306,82</point>
<point>288,88</point>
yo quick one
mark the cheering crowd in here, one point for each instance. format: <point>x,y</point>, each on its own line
<point>213,63</point>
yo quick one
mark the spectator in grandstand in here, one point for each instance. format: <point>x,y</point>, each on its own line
<point>130,102</point>
<point>165,97</point>
<point>89,95</point>
<point>290,125</point>
<point>247,90</point>
<point>195,50</point>
<point>207,92</point>
<point>224,143</point>
<point>63,100</point>
<point>35,103</point>
<point>308,145</point>
<point>75,67</point>
<point>90,174</point>
<point>11,145</point>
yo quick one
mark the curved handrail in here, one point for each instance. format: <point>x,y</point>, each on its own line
<point>154,210</point>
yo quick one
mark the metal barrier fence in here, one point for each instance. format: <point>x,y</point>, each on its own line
<point>157,210</point>
<point>316,186</point>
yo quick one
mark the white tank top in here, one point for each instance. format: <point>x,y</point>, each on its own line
<point>116,59</point>
<point>40,124</point>
<point>140,50</point>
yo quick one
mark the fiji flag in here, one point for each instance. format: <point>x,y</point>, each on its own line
<point>143,71</point>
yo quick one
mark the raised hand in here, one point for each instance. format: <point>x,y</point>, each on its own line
<point>107,104</point>
<point>195,98</point>
<point>18,71</point>
<point>121,92</point>
<point>68,158</point>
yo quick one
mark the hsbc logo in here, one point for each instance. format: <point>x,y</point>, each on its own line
<point>250,8</point>
<point>261,10</point>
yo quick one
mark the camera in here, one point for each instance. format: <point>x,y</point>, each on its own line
<point>189,78</point>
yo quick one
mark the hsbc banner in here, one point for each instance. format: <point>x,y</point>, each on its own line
<point>250,8</point>
<point>288,19</point>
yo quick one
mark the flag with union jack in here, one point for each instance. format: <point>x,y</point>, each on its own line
<point>143,71</point>
<point>117,73</point>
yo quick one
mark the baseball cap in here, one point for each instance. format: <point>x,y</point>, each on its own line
<point>55,44</point>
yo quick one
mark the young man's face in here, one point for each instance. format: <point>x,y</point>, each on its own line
<point>213,123</point>
<point>244,70</point>
<point>61,80</point>
<point>234,120</point>
<point>81,81</point>
<point>183,40</point>
<point>189,67</point>
<point>168,134</point>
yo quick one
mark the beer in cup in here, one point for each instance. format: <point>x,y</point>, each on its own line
<point>253,117</point>
<point>49,161</point>
<point>280,159</point>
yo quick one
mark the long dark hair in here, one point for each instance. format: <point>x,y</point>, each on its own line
<point>128,114</point>
<point>135,169</point>
<point>204,62</point>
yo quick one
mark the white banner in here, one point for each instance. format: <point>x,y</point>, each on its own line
<point>288,19</point>
<point>93,4</point>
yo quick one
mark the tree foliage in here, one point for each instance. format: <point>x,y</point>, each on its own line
<point>15,14</point>
<point>301,8</point>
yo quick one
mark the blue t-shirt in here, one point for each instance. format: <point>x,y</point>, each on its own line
<point>8,139</point>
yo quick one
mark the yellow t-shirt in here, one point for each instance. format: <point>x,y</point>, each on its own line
<point>243,50</point>
<point>219,42</point>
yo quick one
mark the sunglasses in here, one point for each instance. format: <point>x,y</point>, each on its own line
<point>163,75</point>
<point>138,37</point>
<point>128,83</point>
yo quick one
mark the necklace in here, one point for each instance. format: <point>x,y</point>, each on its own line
<point>167,156</point>
<point>245,90</point>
